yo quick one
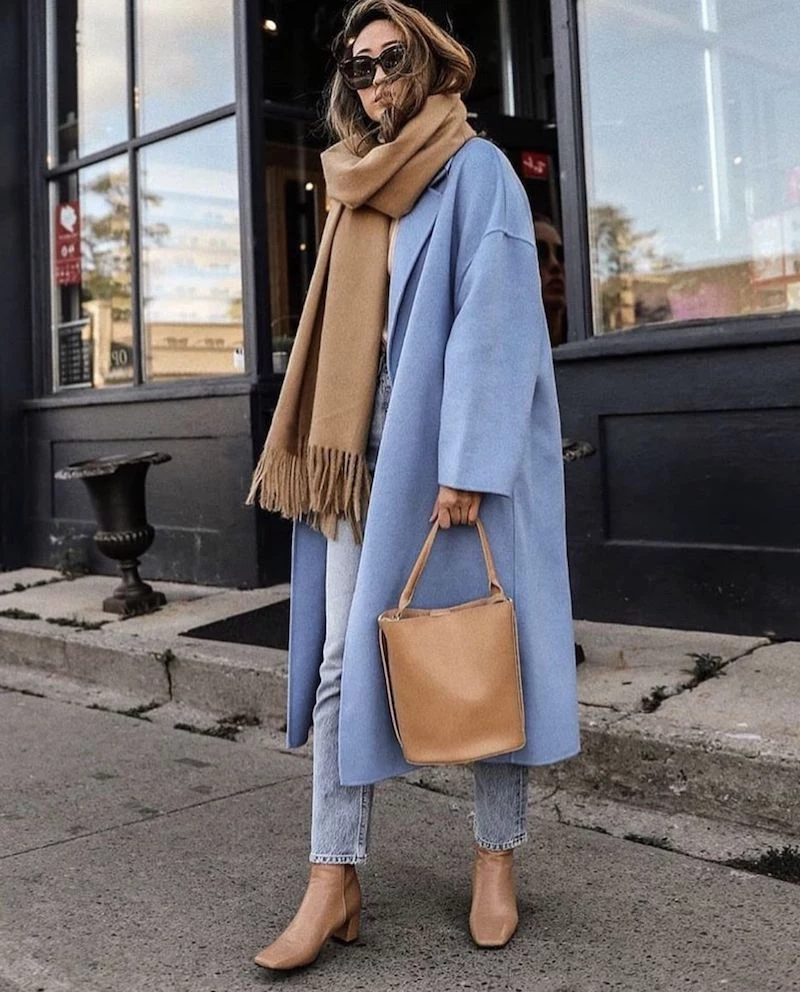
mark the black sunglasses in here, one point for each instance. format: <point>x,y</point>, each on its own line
<point>359,72</point>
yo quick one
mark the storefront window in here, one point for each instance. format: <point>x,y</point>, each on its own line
<point>92,263</point>
<point>693,163</point>
<point>191,270</point>
<point>89,84</point>
<point>185,59</point>
<point>146,255</point>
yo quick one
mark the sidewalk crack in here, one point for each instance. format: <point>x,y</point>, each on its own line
<point>706,668</point>
<point>161,814</point>
<point>167,657</point>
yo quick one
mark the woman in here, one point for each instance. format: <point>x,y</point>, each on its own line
<point>551,274</point>
<point>423,395</point>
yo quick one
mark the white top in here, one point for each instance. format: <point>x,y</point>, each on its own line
<point>390,259</point>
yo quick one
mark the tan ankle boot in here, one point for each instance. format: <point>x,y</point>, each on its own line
<point>493,917</point>
<point>331,907</point>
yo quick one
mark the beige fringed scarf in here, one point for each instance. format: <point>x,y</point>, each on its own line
<point>313,464</point>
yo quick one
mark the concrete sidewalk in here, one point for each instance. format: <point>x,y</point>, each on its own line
<point>139,858</point>
<point>685,722</point>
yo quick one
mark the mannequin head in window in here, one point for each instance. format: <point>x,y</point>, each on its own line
<point>550,249</point>
<point>432,62</point>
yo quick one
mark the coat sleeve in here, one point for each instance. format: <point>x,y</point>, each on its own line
<point>491,362</point>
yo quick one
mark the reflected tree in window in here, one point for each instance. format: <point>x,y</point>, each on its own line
<point>629,269</point>
<point>107,243</point>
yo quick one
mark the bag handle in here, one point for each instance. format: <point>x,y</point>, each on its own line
<point>422,560</point>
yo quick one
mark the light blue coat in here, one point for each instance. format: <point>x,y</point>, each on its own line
<point>473,406</point>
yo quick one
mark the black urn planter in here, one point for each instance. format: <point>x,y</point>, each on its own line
<point>116,485</point>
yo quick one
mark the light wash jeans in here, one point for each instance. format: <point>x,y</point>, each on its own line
<point>340,814</point>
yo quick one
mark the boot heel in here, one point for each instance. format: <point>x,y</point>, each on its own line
<point>349,932</point>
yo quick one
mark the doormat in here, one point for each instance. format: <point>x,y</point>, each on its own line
<point>266,627</point>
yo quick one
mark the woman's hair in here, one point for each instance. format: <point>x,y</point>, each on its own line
<point>435,63</point>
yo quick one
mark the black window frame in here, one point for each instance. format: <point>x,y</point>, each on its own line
<point>243,109</point>
<point>582,343</point>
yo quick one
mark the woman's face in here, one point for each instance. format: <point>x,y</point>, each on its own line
<point>551,264</point>
<point>371,41</point>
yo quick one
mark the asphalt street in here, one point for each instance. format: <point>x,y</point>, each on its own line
<point>135,857</point>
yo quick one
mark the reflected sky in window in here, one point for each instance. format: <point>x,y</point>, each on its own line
<point>185,59</point>
<point>693,160</point>
<point>89,76</point>
<point>191,262</point>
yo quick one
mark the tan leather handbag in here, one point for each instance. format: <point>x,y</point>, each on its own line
<point>452,674</point>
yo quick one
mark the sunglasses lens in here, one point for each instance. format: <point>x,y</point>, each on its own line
<point>359,71</point>
<point>392,59</point>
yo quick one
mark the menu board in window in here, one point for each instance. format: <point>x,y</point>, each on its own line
<point>74,355</point>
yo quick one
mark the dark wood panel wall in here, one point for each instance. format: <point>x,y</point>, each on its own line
<point>204,531</point>
<point>688,515</point>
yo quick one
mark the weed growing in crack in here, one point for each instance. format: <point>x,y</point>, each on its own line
<point>15,614</point>
<point>137,712</point>
<point>242,720</point>
<point>657,696</point>
<point>76,623</point>
<point>783,864</point>
<point>25,586</point>
<point>706,666</point>
<point>227,727</point>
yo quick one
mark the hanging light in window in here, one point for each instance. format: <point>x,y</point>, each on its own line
<point>270,26</point>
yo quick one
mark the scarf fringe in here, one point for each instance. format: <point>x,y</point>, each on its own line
<point>319,485</point>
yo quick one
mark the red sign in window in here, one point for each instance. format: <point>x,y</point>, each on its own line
<point>68,244</point>
<point>535,165</point>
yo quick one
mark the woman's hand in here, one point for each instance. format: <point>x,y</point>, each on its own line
<point>455,506</point>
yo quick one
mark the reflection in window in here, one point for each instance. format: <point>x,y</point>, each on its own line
<point>92,273</point>
<point>185,59</point>
<point>297,37</point>
<point>89,76</point>
<point>693,166</point>
<point>295,219</point>
<point>191,265</point>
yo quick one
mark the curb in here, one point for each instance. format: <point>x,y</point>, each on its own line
<point>220,679</point>
<point>681,770</point>
<point>626,757</point>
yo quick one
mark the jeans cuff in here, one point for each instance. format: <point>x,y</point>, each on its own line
<point>506,846</point>
<point>337,859</point>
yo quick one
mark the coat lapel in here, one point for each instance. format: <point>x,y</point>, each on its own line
<point>412,233</point>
